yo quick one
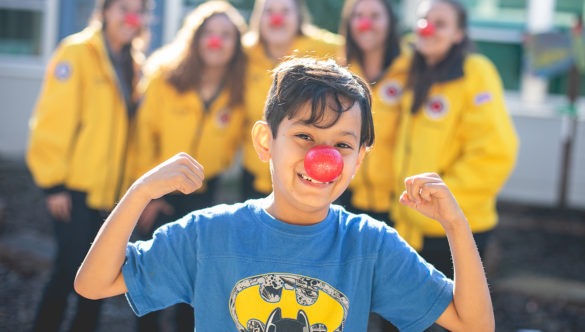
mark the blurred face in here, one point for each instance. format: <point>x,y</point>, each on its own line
<point>218,40</point>
<point>124,20</point>
<point>279,22</point>
<point>296,194</point>
<point>368,25</point>
<point>444,33</point>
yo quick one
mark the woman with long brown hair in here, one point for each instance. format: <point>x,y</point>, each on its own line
<point>80,147</point>
<point>372,50</point>
<point>455,123</point>
<point>278,29</point>
<point>192,102</point>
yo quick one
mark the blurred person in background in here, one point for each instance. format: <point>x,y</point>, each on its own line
<point>278,29</point>
<point>192,102</point>
<point>79,148</point>
<point>372,47</point>
<point>454,122</point>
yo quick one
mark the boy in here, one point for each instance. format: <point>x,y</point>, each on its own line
<point>292,261</point>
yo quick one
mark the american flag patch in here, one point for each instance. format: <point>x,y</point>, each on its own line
<point>482,98</point>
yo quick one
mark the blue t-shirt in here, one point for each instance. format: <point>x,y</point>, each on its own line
<point>243,270</point>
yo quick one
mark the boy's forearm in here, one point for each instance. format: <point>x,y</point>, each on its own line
<point>471,297</point>
<point>100,274</point>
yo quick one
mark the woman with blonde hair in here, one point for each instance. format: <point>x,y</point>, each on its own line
<point>192,102</point>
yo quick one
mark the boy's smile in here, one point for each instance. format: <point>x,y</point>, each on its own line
<point>297,198</point>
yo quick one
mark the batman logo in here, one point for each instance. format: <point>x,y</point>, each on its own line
<point>287,303</point>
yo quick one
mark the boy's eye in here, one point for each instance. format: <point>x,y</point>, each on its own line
<point>344,146</point>
<point>304,137</point>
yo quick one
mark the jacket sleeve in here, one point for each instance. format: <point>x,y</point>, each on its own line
<point>56,119</point>
<point>487,135</point>
<point>147,141</point>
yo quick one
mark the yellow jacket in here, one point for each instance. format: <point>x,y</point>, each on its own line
<point>170,122</point>
<point>80,126</point>
<point>258,81</point>
<point>465,134</point>
<point>373,186</point>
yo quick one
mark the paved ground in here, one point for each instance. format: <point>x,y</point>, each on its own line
<point>536,263</point>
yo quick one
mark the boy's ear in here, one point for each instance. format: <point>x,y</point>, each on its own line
<point>262,138</point>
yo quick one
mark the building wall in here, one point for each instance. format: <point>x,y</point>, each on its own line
<point>19,87</point>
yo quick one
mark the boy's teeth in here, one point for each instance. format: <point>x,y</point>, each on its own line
<point>309,179</point>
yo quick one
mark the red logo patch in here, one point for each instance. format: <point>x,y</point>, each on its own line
<point>436,107</point>
<point>390,92</point>
<point>223,118</point>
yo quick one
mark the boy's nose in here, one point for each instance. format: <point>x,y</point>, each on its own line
<point>323,163</point>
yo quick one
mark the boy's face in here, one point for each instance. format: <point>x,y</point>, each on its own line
<point>298,200</point>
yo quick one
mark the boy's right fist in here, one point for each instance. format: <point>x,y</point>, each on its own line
<point>180,173</point>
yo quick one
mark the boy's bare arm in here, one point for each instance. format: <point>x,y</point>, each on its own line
<point>471,309</point>
<point>100,274</point>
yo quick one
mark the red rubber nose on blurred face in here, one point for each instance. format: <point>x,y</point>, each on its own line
<point>132,19</point>
<point>323,163</point>
<point>276,20</point>
<point>424,28</point>
<point>214,42</point>
<point>364,24</point>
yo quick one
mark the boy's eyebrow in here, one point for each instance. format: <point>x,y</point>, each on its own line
<point>349,133</point>
<point>303,123</point>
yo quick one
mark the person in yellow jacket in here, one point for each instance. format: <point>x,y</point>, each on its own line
<point>79,147</point>
<point>372,47</point>
<point>454,123</point>
<point>193,103</point>
<point>278,29</point>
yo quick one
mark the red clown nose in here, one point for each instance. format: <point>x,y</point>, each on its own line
<point>424,28</point>
<point>364,24</point>
<point>276,20</point>
<point>132,19</point>
<point>323,163</point>
<point>214,42</point>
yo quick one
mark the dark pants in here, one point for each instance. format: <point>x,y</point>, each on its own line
<point>182,204</point>
<point>436,251</point>
<point>248,190</point>
<point>73,241</point>
<point>183,319</point>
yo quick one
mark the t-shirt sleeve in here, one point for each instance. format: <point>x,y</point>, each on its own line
<point>161,272</point>
<point>409,292</point>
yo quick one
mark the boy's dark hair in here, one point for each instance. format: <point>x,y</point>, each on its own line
<point>324,84</point>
